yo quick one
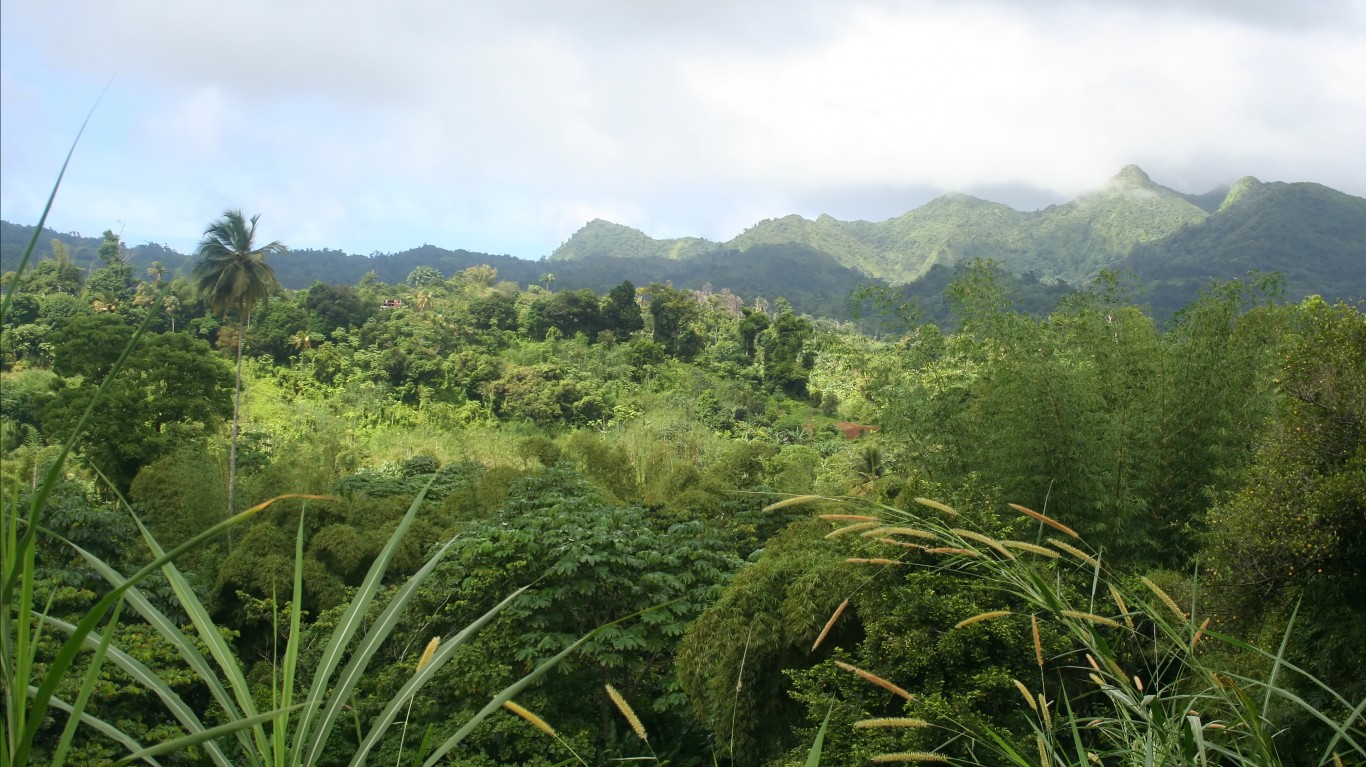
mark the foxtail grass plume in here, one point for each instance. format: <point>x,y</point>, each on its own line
<point>937,505</point>
<point>910,531</point>
<point>1043,750</point>
<point>535,721</point>
<point>981,617</point>
<point>1091,618</point>
<point>830,624</point>
<point>1038,643</point>
<point>428,653</point>
<point>1199,633</point>
<point>1123,608</point>
<point>952,550</point>
<point>625,708</point>
<point>793,501</point>
<point>902,544</point>
<point>847,517</point>
<point>1028,696</point>
<point>1076,552</point>
<point>851,528</point>
<point>1166,599</point>
<point>892,721</point>
<point>875,679</point>
<point>1031,548</point>
<point>909,756</point>
<point>985,540</point>
<point>1053,523</point>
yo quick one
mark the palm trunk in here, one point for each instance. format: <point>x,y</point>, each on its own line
<point>236,408</point>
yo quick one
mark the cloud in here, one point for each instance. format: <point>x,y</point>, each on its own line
<point>498,126</point>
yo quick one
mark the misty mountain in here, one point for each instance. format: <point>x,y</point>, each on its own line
<point>1175,243</point>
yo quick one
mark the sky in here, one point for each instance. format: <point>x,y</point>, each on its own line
<point>503,127</point>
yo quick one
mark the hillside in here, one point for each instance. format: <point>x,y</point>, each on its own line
<point>1315,237</point>
<point>1175,243</point>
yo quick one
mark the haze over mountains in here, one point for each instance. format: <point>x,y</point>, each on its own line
<point>1307,231</point>
<point>1175,242</point>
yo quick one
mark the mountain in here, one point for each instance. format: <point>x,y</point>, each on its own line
<point>1175,243</point>
<point>1178,242</point>
<point>599,238</point>
<point>1315,237</point>
<point>1070,242</point>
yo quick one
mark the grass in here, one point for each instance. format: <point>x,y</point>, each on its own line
<point>1145,682</point>
<point>296,725</point>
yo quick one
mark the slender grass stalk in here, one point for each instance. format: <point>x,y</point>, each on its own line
<point>1122,723</point>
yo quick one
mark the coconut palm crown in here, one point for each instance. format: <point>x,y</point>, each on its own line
<point>232,274</point>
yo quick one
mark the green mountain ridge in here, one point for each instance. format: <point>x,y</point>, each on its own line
<point>1175,244</point>
<point>1129,221</point>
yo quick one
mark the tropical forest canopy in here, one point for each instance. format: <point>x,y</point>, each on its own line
<point>615,445</point>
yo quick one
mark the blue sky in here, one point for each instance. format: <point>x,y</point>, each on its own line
<point>504,127</point>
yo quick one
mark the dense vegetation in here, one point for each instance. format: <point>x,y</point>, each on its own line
<point>618,454</point>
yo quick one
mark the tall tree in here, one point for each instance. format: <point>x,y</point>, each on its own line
<point>232,275</point>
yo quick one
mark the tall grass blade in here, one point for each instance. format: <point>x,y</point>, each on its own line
<point>66,655</point>
<point>195,739</point>
<point>104,728</point>
<point>92,675</point>
<point>365,650</point>
<point>347,628</point>
<point>813,759</point>
<point>183,644</point>
<point>149,679</point>
<point>415,682</point>
<point>47,208</point>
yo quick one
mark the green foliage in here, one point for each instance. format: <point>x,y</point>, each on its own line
<point>1291,534</point>
<point>588,562</point>
<point>174,391</point>
<point>620,312</point>
<point>673,313</point>
<point>547,396</point>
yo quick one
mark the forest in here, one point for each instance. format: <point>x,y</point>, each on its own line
<point>455,519</point>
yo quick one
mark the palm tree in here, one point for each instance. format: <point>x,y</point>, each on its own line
<point>171,305</point>
<point>424,300</point>
<point>157,270</point>
<point>302,341</point>
<point>548,280</point>
<point>232,275</point>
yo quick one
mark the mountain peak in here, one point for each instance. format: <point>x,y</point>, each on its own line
<point>1131,176</point>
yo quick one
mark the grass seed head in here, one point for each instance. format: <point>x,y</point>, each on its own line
<point>830,624</point>
<point>1076,552</point>
<point>535,721</point>
<point>894,721</point>
<point>981,617</point>
<point>428,653</point>
<point>1165,597</point>
<point>937,505</point>
<point>794,501</point>
<point>875,679</point>
<point>628,712</point>
<point>1053,523</point>
<point>909,756</point>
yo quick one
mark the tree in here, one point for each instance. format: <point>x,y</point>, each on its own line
<point>424,276</point>
<point>232,275</point>
<point>620,312</point>
<point>173,390</point>
<point>111,284</point>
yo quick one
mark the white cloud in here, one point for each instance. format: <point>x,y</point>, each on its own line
<point>378,126</point>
